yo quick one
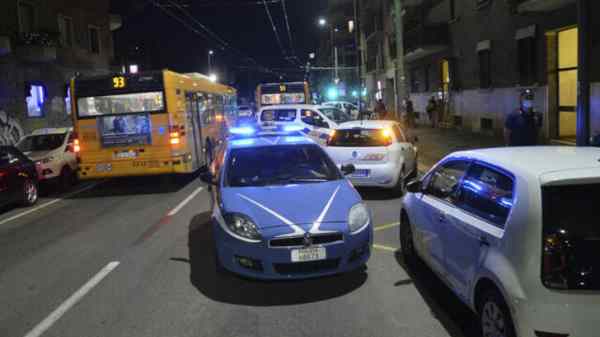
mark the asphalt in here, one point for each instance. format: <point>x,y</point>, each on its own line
<point>112,258</point>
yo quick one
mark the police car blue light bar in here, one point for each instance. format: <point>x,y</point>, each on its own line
<point>242,131</point>
<point>293,128</point>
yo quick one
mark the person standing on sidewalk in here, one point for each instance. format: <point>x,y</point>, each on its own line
<point>432,111</point>
<point>380,110</point>
<point>521,127</point>
<point>410,113</point>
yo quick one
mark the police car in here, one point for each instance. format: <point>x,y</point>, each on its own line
<point>284,210</point>
<point>318,121</point>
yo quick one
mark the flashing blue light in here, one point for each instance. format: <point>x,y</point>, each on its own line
<point>243,142</point>
<point>243,131</point>
<point>294,139</point>
<point>293,128</point>
<point>364,92</point>
<point>473,186</point>
<point>332,93</point>
<point>506,202</point>
<point>354,93</point>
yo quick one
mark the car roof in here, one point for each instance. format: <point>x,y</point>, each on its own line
<point>50,131</point>
<point>366,124</point>
<point>292,106</point>
<point>537,160</point>
<point>264,141</point>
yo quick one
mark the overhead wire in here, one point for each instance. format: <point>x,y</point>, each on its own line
<point>274,27</point>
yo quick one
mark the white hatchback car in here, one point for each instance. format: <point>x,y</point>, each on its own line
<point>54,152</point>
<point>379,150</point>
<point>344,106</point>
<point>317,121</point>
<point>515,233</point>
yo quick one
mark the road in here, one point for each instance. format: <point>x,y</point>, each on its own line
<point>132,258</point>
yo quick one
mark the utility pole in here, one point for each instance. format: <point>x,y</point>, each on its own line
<point>401,90</point>
<point>583,69</point>
<point>358,55</point>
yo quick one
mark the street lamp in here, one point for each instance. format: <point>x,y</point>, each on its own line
<point>213,77</point>
<point>210,55</point>
<point>322,22</point>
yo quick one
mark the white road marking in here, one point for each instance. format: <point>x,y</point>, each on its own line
<point>386,248</point>
<point>44,325</point>
<point>384,227</point>
<point>49,203</point>
<point>185,201</point>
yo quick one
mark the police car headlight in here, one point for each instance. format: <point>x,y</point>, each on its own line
<point>358,218</point>
<point>243,226</point>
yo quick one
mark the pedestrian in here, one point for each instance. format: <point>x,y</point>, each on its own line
<point>380,110</point>
<point>522,126</point>
<point>432,111</point>
<point>410,113</point>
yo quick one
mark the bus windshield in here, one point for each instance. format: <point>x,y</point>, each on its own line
<point>120,104</point>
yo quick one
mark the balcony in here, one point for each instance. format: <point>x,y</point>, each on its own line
<point>39,47</point>
<point>425,40</point>
<point>528,6</point>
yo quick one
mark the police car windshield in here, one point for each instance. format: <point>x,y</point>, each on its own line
<point>279,165</point>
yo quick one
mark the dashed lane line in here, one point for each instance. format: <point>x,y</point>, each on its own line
<point>386,248</point>
<point>47,323</point>
<point>185,202</point>
<point>384,227</point>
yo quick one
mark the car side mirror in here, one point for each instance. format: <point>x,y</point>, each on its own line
<point>208,178</point>
<point>415,186</point>
<point>348,169</point>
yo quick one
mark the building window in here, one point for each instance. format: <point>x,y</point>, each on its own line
<point>35,101</point>
<point>94,37</point>
<point>26,17</point>
<point>527,61</point>
<point>68,99</point>
<point>65,27</point>
<point>485,68</point>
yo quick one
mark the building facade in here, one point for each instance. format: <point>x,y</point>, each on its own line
<point>43,44</point>
<point>477,56</point>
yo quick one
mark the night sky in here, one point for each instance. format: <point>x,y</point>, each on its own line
<point>149,36</point>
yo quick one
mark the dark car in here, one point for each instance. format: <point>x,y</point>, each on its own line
<point>18,178</point>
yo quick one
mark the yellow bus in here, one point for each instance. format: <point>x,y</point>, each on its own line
<point>148,123</point>
<point>283,93</point>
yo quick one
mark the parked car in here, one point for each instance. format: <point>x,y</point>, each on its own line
<point>515,233</point>
<point>245,111</point>
<point>54,151</point>
<point>380,151</point>
<point>18,178</point>
<point>283,210</point>
<point>312,118</point>
<point>347,107</point>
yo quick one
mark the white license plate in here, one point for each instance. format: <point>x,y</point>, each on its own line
<point>360,174</point>
<point>103,167</point>
<point>309,254</point>
<point>126,155</point>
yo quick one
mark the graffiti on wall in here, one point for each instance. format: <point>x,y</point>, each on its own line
<point>10,129</point>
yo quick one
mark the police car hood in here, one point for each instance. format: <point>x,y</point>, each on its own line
<point>293,205</point>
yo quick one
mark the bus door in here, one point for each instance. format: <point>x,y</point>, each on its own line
<point>195,135</point>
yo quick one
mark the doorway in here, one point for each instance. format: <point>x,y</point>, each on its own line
<point>568,57</point>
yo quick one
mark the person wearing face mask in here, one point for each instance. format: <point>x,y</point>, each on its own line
<point>521,127</point>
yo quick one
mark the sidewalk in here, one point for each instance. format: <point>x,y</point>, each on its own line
<point>434,144</point>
